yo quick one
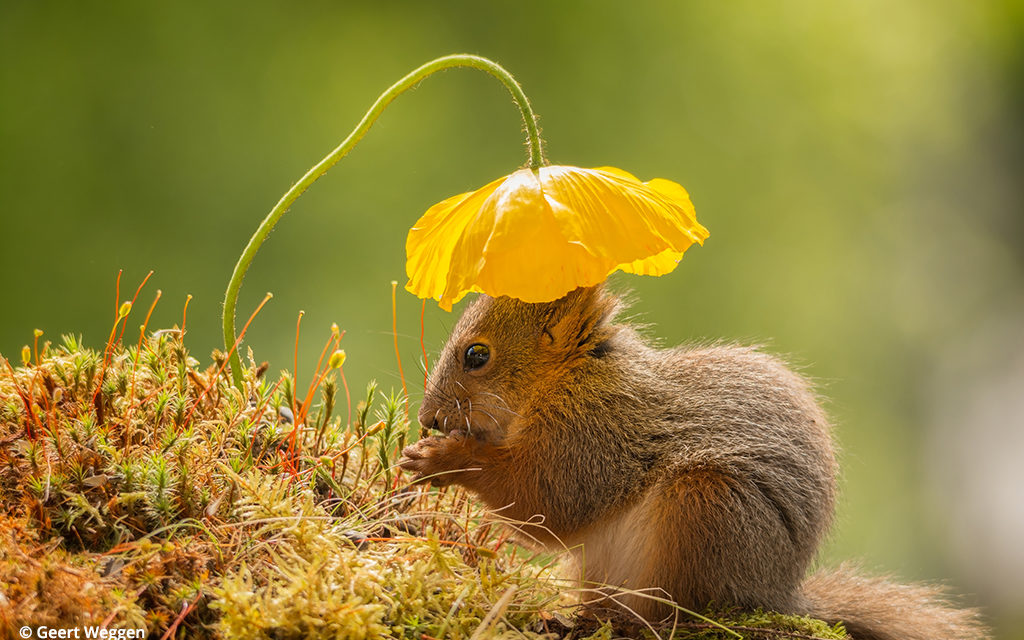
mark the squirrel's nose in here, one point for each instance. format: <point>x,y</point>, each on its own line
<point>427,415</point>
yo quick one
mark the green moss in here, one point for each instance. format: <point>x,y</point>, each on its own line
<point>763,624</point>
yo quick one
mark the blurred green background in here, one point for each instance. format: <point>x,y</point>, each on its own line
<point>858,163</point>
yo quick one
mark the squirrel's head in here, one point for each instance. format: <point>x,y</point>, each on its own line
<point>504,354</point>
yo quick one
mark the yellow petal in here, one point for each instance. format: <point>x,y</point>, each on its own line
<point>431,241</point>
<point>515,247</point>
<point>675,191</point>
<point>615,215</point>
<point>619,172</point>
<point>657,265</point>
<point>538,235</point>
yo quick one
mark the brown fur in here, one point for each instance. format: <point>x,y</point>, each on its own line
<point>704,473</point>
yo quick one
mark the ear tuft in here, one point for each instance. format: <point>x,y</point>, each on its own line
<point>580,322</point>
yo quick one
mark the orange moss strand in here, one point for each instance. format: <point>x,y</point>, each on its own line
<point>184,314</point>
<point>134,298</point>
<point>135,366</point>
<point>398,356</point>
<point>348,398</point>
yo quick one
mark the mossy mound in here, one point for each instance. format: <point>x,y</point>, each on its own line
<point>138,490</point>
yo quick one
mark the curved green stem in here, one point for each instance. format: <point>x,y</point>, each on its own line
<point>406,83</point>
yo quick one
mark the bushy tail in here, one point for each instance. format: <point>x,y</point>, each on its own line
<point>879,609</point>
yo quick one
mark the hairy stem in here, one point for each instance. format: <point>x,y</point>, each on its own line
<point>406,83</point>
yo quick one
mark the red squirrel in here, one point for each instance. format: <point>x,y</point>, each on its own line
<point>701,474</point>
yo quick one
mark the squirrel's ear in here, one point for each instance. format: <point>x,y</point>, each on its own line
<point>577,322</point>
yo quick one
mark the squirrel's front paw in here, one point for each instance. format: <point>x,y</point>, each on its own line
<point>435,459</point>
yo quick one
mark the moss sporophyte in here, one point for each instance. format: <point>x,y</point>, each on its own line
<point>534,235</point>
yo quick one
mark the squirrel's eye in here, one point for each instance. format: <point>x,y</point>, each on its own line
<point>477,356</point>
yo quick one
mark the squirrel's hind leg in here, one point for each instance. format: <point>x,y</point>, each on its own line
<point>705,537</point>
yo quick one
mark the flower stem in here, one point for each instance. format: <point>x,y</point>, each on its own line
<point>406,83</point>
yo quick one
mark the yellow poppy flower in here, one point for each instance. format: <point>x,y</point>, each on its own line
<point>536,236</point>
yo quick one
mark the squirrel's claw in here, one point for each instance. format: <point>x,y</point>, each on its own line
<point>420,458</point>
<point>427,459</point>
